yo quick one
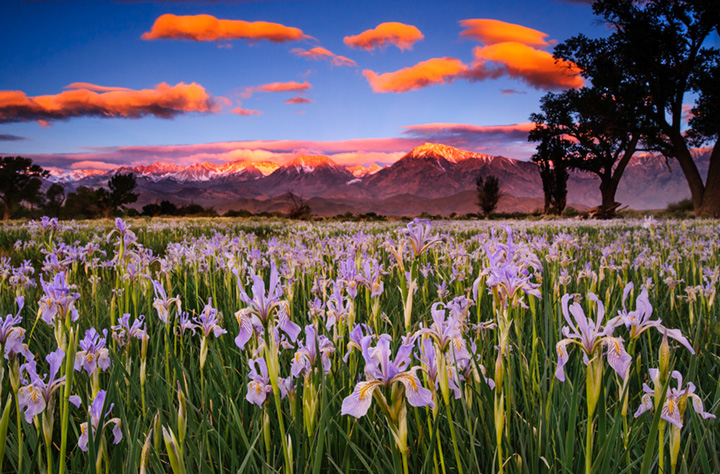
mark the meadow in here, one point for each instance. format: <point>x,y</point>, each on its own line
<point>440,347</point>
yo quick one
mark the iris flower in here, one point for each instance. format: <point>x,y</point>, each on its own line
<point>58,300</point>
<point>96,415</point>
<point>381,371</point>
<point>306,357</point>
<point>591,336</point>
<point>34,397</point>
<point>12,335</point>
<point>675,400</point>
<point>94,354</point>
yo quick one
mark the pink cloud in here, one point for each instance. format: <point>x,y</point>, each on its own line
<point>426,73</point>
<point>319,54</point>
<point>209,28</point>
<point>509,140</point>
<point>392,33</point>
<point>298,100</point>
<point>245,112</point>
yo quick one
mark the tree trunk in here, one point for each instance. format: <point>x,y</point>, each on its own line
<point>6,212</point>
<point>689,169</point>
<point>608,188</point>
<point>711,196</point>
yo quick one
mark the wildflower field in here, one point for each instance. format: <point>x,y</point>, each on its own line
<point>251,346</point>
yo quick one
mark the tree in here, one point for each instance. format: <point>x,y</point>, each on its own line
<point>55,195</point>
<point>552,165</point>
<point>121,190</point>
<point>20,180</point>
<point>488,194</point>
<point>592,129</point>
<point>299,209</point>
<point>86,203</point>
<point>662,45</point>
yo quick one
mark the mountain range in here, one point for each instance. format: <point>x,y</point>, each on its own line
<point>432,178</point>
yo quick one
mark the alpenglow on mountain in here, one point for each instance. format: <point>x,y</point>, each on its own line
<point>433,178</point>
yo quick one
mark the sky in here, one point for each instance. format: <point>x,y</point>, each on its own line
<point>98,84</point>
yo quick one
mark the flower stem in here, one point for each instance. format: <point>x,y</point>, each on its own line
<point>454,439</point>
<point>69,363</point>
<point>589,445</point>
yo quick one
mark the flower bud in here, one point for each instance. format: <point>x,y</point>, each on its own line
<point>664,356</point>
<point>182,415</point>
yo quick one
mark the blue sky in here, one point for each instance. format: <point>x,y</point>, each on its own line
<point>49,45</point>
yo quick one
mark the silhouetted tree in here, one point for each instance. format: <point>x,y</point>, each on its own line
<point>597,130</point>
<point>55,195</point>
<point>121,190</point>
<point>299,209</point>
<point>661,45</point>
<point>20,180</point>
<point>488,194</point>
<point>552,165</point>
<point>168,208</point>
<point>86,203</point>
<point>151,210</point>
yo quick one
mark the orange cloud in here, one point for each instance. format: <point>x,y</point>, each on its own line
<point>319,54</point>
<point>495,31</point>
<point>535,67</point>
<point>426,73</point>
<point>245,112</point>
<point>399,34</point>
<point>298,100</point>
<point>209,28</point>
<point>83,100</point>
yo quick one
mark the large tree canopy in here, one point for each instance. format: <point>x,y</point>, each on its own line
<point>661,48</point>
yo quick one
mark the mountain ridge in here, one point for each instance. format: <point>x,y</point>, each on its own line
<point>430,172</point>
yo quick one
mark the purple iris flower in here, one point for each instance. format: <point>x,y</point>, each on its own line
<point>427,356</point>
<point>123,331</point>
<point>338,306</point>
<point>12,335</point>
<point>162,303</point>
<point>675,399</point>
<point>591,336</point>
<point>58,300</point>
<point>95,410</point>
<point>418,233</point>
<point>639,320</point>
<point>446,332</point>
<point>94,354</point>
<point>360,338</point>
<point>259,386</point>
<point>372,278</point>
<point>306,357</point>
<point>34,397</point>
<point>381,371</point>
<point>347,273</point>
<point>207,322</point>
<point>262,304</point>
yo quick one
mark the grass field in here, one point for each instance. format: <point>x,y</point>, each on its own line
<point>278,346</point>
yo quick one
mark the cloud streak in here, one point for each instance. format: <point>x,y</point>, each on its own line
<point>489,31</point>
<point>426,73</point>
<point>209,28</point>
<point>10,138</point>
<point>298,100</point>
<point>392,33</point>
<point>509,140</point>
<point>88,100</point>
<point>321,54</point>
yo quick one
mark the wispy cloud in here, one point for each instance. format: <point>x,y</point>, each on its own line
<point>245,112</point>
<point>426,73</point>
<point>509,140</point>
<point>209,28</point>
<point>392,33</point>
<point>88,100</point>
<point>322,54</point>
<point>10,138</point>
<point>298,100</point>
